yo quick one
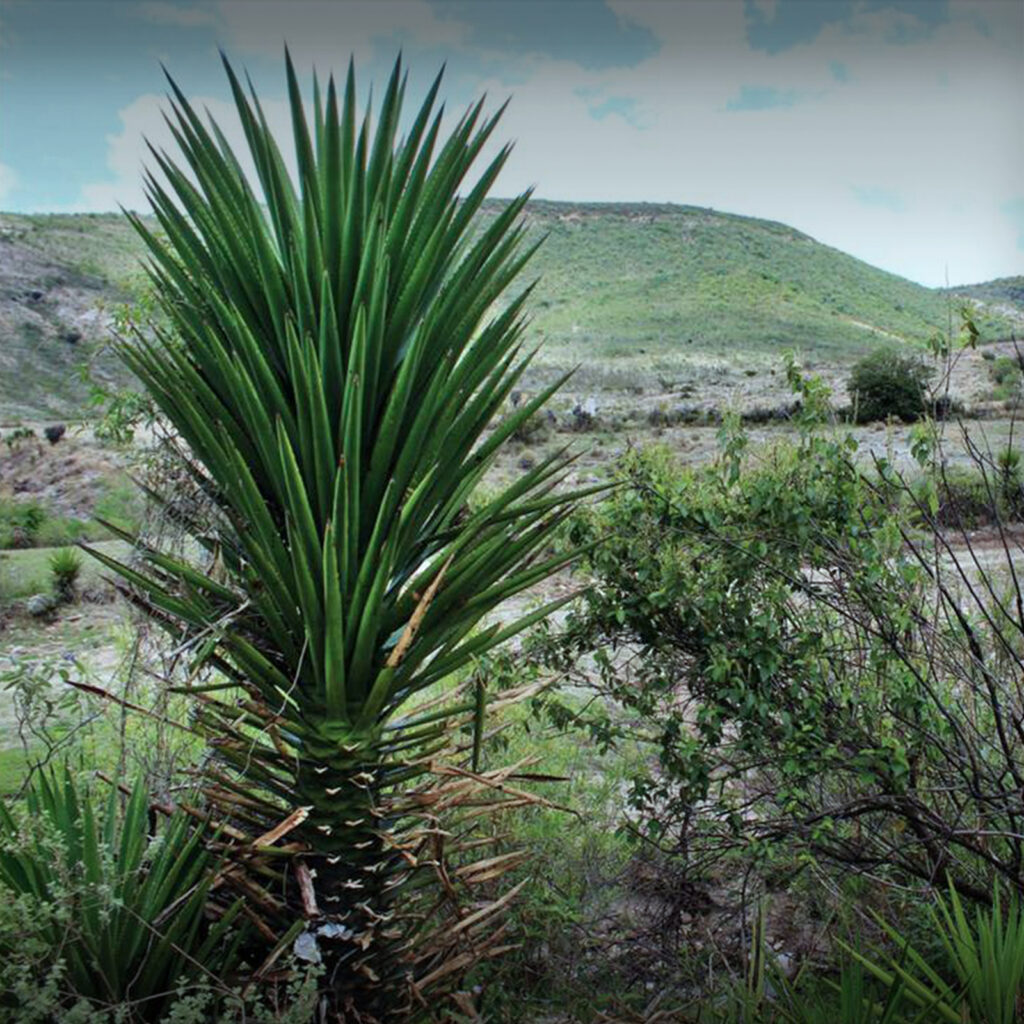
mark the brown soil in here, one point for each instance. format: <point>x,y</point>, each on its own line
<point>68,477</point>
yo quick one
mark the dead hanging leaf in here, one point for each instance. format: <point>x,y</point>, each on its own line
<point>306,891</point>
<point>409,634</point>
<point>296,818</point>
<point>482,870</point>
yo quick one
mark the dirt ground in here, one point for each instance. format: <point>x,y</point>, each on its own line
<point>69,477</point>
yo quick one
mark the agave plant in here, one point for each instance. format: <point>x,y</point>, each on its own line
<point>334,351</point>
<point>123,911</point>
<point>983,980</point>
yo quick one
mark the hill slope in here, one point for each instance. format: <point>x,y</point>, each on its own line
<point>634,292</point>
<point>1004,295</point>
<point>688,283</point>
<point>60,276</point>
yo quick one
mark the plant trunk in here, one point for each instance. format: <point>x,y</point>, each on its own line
<point>349,898</point>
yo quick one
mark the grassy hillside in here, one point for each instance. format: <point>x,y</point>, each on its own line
<point>634,292</point>
<point>1003,291</point>
<point>60,278</point>
<point>670,284</point>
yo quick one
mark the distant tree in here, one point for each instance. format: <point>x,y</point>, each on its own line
<point>889,382</point>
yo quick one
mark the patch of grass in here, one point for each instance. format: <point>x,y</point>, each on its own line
<point>577,874</point>
<point>101,246</point>
<point>31,524</point>
<point>27,572</point>
<point>120,504</point>
<point>13,765</point>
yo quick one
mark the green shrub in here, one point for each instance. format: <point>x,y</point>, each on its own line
<point>31,524</point>
<point>887,383</point>
<point>964,500</point>
<point>777,612</point>
<point>1006,378</point>
<point>534,430</point>
<point>1005,370</point>
<point>21,523</point>
<point>19,436</point>
<point>1011,481</point>
<point>98,911</point>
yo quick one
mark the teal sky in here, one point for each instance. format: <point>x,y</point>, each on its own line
<point>891,129</point>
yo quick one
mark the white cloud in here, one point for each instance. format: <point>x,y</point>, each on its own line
<point>8,181</point>
<point>954,153</point>
<point>161,13</point>
<point>128,155</point>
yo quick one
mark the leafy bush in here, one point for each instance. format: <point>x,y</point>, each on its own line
<point>534,430</point>
<point>1006,377</point>
<point>122,413</point>
<point>20,523</point>
<point>812,681</point>
<point>1005,370</point>
<point>98,910</point>
<point>889,382</point>
<point>962,499</point>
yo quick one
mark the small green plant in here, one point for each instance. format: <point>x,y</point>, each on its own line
<point>887,383</point>
<point>983,982</point>
<point>123,412</point>
<point>1006,376</point>
<point>19,436</point>
<point>100,910</point>
<point>20,523</point>
<point>536,429</point>
<point>1011,480</point>
<point>65,567</point>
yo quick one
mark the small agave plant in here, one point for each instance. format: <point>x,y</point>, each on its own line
<point>335,349</point>
<point>117,912</point>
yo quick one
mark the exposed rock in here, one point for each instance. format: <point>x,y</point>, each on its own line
<point>41,606</point>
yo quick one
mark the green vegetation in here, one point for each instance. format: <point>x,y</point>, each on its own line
<point>331,366</point>
<point>632,291</point>
<point>763,767</point>
<point>91,245</point>
<point>27,572</point>
<point>657,284</point>
<point>986,983</point>
<point>1007,377</point>
<point>889,383</point>
<point>65,568</point>
<point>102,912</point>
<point>29,523</point>
<point>1002,291</point>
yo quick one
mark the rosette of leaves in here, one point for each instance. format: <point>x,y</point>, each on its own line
<point>114,913</point>
<point>338,344</point>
